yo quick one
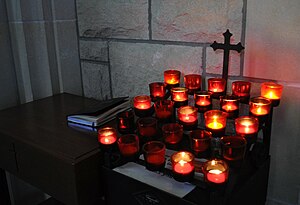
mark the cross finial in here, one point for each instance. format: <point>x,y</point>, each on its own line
<point>226,46</point>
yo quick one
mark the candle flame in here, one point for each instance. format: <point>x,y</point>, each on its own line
<point>229,107</point>
<point>106,140</point>
<point>259,110</point>
<point>177,97</point>
<point>270,95</point>
<point>215,90</point>
<point>107,133</point>
<point>247,129</point>
<point>182,162</point>
<point>213,162</point>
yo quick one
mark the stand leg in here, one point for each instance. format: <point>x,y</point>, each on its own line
<point>4,194</point>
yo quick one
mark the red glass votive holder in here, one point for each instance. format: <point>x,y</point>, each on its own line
<point>215,122</point>
<point>230,105</point>
<point>192,82</point>
<point>142,106</point>
<point>260,107</point>
<point>107,138</point>
<point>125,121</point>
<point>154,155</point>
<point>164,110</point>
<point>200,141</point>
<point>203,100</point>
<point>215,172</point>
<point>216,86</point>
<point>172,78</point>
<point>183,166</point>
<point>233,149</point>
<point>188,117</point>
<point>246,126</point>
<point>129,146</point>
<point>241,89</point>
<point>272,91</point>
<point>157,90</point>
<point>172,133</point>
<point>147,128</point>
<point>179,96</point>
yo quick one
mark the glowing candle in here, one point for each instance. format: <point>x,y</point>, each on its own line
<point>172,77</point>
<point>215,171</point>
<point>142,102</point>
<point>183,166</point>
<point>157,90</point>
<point>179,94</point>
<point>259,106</point>
<point>215,122</point>
<point>216,176</point>
<point>203,100</point>
<point>272,91</point>
<point>142,106</point>
<point>187,116</point>
<point>107,135</point>
<point>230,104</point>
<point>217,86</point>
<point>246,125</point>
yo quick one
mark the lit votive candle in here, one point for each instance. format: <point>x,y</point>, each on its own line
<point>183,166</point>
<point>192,82</point>
<point>230,105</point>
<point>272,91</point>
<point>188,117</point>
<point>216,86</point>
<point>203,100</point>
<point>241,89</point>
<point>172,78</point>
<point>260,107</point>
<point>246,126</point>
<point>215,122</point>
<point>157,90</point>
<point>142,106</point>
<point>215,172</point>
<point>107,137</point>
<point>179,96</point>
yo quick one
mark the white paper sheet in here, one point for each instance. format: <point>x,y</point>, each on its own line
<point>155,179</point>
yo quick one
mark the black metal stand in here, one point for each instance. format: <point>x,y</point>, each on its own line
<point>4,193</point>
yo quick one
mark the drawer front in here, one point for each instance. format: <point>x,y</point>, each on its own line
<point>73,183</point>
<point>7,154</point>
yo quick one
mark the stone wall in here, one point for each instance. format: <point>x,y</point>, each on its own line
<point>129,43</point>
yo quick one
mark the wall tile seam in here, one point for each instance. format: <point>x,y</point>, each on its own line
<point>243,36</point>
<point>150,19</point>
<point>159,42</point>
<point>42,21</point>
<point>109,69</point>
<point>94,61</point>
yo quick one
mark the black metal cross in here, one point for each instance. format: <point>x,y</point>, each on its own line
<point>226,47</point>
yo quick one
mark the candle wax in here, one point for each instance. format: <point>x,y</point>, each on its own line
<point>188,119</point>
<point>229,107</point>
<point>143,106</point>
<point>271,95</point>
<point>183,167</point>
<point>203,102</point>
<point>216,176</point>
<point>259,111</point>
<point>215,125</point>
<point>108,139</point>
<point>172,81</point>
<point>246,127</point>
<point>217,90</point>
<point>172,138</point>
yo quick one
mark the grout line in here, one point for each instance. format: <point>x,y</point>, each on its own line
<point>150,19</point>
<point>109,71</point>
<point>161,42</point>
<point>243,37</point>
<point>94,61</point>
<point>204,67</point>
